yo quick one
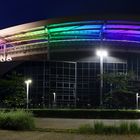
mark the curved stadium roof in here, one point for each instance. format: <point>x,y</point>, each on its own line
<point>71,32</point>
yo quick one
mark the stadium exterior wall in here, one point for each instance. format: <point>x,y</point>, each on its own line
<point>68,65</point>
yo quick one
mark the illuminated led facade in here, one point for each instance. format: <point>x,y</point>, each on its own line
<point>40,34</point>
<point>60,57</point>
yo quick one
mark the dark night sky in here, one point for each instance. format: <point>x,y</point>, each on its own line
<point>14,12</point>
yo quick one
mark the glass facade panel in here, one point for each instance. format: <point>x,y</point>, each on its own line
<point>76,84</point>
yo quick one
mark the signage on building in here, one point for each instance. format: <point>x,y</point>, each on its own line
<point>4,58</point>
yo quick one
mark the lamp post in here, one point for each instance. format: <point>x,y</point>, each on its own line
<point>101,54</point>
<point>27,82</point>
<point>54,99</point>
<point>137,100</point>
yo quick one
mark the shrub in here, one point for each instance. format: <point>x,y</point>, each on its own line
<point>87,113</point>
<point>123,128</point>
<point>87,128</point>
<point>100,128</point>
<point>110,129</point>
<point>134,128</point>
<point>16,120</point>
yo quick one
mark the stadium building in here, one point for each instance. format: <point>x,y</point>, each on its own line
<point>60,57</point>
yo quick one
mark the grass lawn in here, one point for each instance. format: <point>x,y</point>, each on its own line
<point>35,135</point>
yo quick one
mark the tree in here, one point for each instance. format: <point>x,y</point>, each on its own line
<point>122,91</point>
<point>12,90</point>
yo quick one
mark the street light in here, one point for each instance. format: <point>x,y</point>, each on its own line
<point>101,54</point>
<point>27,82</point>
<point>137,100</point>
<point>54,98</point>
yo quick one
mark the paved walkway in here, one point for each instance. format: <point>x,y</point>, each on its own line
<point>74,123</point>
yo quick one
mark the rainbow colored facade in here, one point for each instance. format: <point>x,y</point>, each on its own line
<point>59,57</point>
<point>40,34</point>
